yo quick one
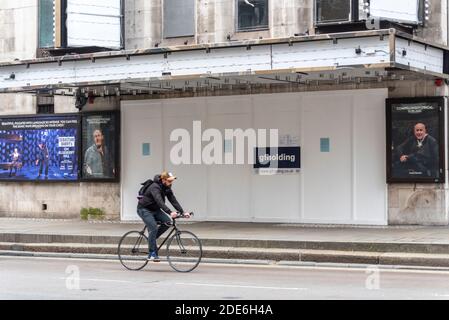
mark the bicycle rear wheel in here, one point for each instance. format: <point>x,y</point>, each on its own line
<point>133,250</point>
<point>184,251</point>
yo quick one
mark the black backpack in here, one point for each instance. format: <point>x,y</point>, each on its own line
<point>143,189</point>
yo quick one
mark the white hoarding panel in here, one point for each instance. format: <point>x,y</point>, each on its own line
<point>94,23</point>
<point>345,185</point>
<point>397,10</point>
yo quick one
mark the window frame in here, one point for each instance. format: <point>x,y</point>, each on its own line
<point>254,29</point>
<point>47,107</point>
<point>61,32</point>
<point>354,14</point>
<point>39,32</point>
<point>421,15</point>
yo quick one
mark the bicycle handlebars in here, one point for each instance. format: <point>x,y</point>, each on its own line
<point>180,215</point>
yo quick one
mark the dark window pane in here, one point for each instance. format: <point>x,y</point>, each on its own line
<point>333,10</point>
<point>252,14</point>
<point>45,104</point>
<point>45,109</point>
<point>46,24</point>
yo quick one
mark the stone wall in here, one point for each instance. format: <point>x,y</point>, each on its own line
<point>63,200</point>
<point>421,204</point>
<point>216,20</point>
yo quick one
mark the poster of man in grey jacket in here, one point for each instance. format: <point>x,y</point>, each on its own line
<point>98,161</point>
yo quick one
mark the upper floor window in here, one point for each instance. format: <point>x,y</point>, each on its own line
<point>45,104</point>
<point>179,18</point>
<point>46,24</point>
<point>94,23</point>
<point>403,11</point>
<point>332,11</point>
<point>252,14</point>
<point>80,23</point>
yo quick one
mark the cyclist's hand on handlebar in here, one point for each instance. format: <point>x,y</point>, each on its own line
<point>174,215</point>
<point>186,215</point>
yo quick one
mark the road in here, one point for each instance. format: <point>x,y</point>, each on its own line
<point>71,279</point>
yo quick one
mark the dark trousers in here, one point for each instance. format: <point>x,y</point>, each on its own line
<point>150,218</point>
<point>14,166</point>
<point>43,164</point>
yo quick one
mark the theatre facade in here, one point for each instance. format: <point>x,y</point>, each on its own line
<point>339,126</point>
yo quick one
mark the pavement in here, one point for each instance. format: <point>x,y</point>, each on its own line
<point>274,242</point>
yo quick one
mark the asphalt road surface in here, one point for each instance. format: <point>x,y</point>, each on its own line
<point>72,279</point>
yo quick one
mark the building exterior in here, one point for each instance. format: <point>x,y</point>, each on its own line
<point>318,71</point>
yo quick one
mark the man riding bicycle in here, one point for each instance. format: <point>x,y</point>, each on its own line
<point>151,209</point>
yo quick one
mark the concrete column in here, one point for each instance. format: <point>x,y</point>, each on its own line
<point>291,16</point>
<point>18,29</point>
<point>143,23</point>
<point>436,28</point>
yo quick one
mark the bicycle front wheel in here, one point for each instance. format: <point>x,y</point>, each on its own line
<point>133,250</point>
<point>184,251</point>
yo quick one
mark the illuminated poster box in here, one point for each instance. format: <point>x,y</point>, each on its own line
<point>415,140</point>
<point>39,148</point>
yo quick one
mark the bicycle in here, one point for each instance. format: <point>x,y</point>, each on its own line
<point>184,250</point>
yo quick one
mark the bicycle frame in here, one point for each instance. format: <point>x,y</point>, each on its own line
<point>174,229</point>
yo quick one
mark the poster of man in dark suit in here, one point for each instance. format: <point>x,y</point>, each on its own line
<point>418,154</point>
<point>415,140</point>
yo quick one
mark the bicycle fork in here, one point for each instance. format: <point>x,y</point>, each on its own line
<point>181,246</point>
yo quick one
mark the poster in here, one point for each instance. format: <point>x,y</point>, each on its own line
<point>39,148</point>
<point>100,146</point>
<point>415,140</point>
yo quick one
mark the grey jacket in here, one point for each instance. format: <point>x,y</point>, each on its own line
<point>101,166</point>
<point>154,197</point>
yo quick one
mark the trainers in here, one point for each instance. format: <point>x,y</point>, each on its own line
<point>153,257</point>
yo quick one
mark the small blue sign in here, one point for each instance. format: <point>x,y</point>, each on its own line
<point>325,145</point>
<point>146,149</point>
<point>228,147</point>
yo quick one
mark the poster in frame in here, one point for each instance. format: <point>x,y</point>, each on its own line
<point>415,140</point>
<point>100,146</point>
<point>39,148</point>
